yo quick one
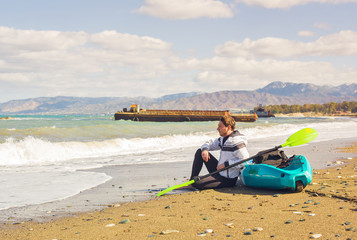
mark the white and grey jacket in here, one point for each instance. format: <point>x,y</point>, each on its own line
<point>232,150</point>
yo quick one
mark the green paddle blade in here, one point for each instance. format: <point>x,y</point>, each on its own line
<point>301,137</point>
<point>175,187</point>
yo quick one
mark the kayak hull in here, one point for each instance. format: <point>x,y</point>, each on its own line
<point>294,177</point>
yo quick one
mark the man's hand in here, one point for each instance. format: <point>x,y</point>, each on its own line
<point>205,155</point>
<point>220,166</point>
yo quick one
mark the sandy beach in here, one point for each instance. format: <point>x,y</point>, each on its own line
<point>326,209</point>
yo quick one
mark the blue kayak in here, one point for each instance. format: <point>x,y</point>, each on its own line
<point>296,176</point>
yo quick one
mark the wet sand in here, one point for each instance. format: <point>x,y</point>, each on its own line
<point>328,207</point>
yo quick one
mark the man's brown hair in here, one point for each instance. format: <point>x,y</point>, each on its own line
<point>228,120</point>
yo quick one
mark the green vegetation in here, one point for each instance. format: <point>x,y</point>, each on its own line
<point>327,108</point>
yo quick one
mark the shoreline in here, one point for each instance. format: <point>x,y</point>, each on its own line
<point>312,114</point>
<point>330,199</point>
<point>140,182</point>
<point>128,183</point>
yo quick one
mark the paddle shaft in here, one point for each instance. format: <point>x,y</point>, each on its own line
<point>197,178</point>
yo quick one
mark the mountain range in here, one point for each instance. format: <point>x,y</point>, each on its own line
<point>272,94</point>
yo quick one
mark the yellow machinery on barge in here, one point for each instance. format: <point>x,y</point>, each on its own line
<point>137,114</point>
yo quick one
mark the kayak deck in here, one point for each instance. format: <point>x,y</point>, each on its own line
<point>295,177</point>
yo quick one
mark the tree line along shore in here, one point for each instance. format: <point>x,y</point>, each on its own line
<point>332,108</point>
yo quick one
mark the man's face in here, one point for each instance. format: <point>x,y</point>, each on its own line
<point>223,130</point>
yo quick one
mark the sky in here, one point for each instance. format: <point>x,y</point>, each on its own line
<point>117,48</point>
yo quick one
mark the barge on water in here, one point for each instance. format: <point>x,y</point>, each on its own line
<point>137,114</point>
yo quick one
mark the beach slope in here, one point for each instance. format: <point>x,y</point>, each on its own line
<point>326,209</point>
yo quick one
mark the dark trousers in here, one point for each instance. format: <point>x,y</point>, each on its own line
<point>214,181</point>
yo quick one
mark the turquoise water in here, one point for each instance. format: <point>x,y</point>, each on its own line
<point>89,128</point>
<point>41,139</point>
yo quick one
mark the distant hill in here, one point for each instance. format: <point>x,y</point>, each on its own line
<point>272,94</point>
<point>238,100</point>
<point>306,89</point>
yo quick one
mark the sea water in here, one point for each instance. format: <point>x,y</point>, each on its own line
<point>40,155</point>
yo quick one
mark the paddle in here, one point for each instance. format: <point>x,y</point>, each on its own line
<point>300,137</point>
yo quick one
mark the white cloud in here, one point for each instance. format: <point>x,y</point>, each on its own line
<point>343,43</point>
<point>289,3</point>
<point>240,73</point>
<point>32,40</point>
<point>14,77</point>
<point>124,42</point>
<point>186,9</point>
<point>110,63</point>
<point>306,34</point>
<point>71,63</point>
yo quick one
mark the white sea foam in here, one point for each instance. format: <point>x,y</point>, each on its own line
<point>36,151</point>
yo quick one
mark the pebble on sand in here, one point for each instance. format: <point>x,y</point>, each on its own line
<point>317,235</point>
<point>201,234</point>
<point>165,232</point>
<point>124,221</point>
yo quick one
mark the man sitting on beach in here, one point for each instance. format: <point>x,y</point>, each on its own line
<point>233,149</point>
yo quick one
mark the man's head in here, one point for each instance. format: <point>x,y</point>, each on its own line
<point>226,125</point>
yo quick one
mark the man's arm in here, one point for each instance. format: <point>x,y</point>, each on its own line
<point>212,144</point>
<point>240,153</point>
<point>208,146</point>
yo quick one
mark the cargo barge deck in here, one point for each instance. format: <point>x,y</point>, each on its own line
<point>137,114</point>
